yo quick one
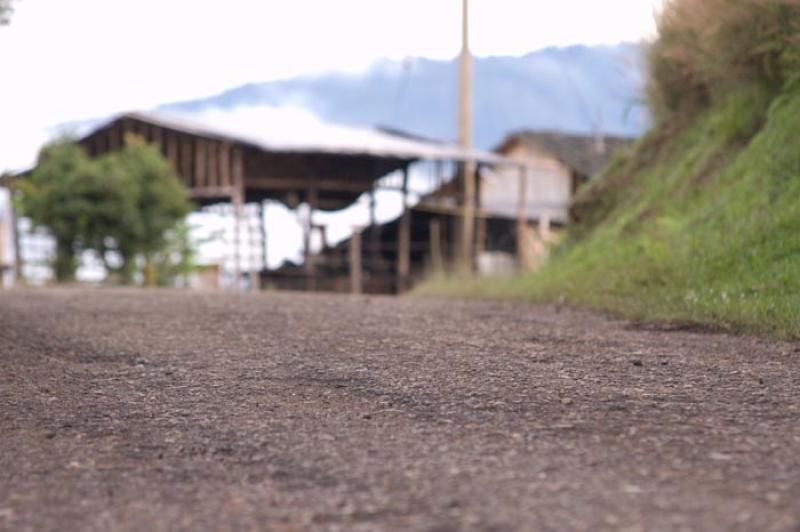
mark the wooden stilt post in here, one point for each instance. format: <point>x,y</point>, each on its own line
<point>262,223</point>
<point>404,240</point>
<point>522,214</point>
<point>253,243</point>
<point>480,218</point>
<point>435,233</point>
<point>238,201</point>
<point>15,232</point>
<point>355,262</point>
<point>200,166</point>
<point>172,151</point>
<point>311,275</point>
<point>213,165</point>
<point>4,227</point>
<point>374,251</point>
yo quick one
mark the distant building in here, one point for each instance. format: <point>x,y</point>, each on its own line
<point>556,164</point>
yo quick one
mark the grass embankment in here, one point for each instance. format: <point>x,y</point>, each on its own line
<point>700,221</point>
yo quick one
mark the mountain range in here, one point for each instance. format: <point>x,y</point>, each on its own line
<point>577,89</point>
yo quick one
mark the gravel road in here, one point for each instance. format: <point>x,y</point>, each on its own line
<point>166,410</point>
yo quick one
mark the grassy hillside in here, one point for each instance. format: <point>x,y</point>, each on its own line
<point>700,221</point>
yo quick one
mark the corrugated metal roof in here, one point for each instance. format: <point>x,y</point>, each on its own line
<point>313,137</point>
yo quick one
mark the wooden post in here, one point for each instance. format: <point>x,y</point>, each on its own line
<point>404,240</point>
<point>435,233</point>
<point>355,262</point>
<point>480,216</point>
<point>4,226</point>
<point>172,151</point>
<point>186,163</point>
<point>255,247</point>
<point>158,140</point>
<point>17,246</point>
<point>522,213</point>
<point>238,200</point>
<point>311,279</point>
<point>262,222</point>
<point>115,134</point>
<point>200,160</point>
<point>224,163</point>
<point>213,165</point>
<point>374,251</point>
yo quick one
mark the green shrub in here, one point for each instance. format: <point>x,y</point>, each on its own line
<point>707,47</point>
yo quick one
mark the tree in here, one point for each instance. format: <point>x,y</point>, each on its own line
<point>160,204</point>
<point>61,195</point>
<point>124,203</point>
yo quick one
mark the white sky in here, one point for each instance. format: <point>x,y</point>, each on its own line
<point>70,60</point>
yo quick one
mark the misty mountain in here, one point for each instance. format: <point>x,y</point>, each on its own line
<point>578,89</point>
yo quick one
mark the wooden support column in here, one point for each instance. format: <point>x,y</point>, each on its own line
<point>238,201</point>
<point>253,234</point>
<point>158,140</point>
<point>435,234</point>
<point>404,240</point>
<point>374,251</point>
<point>467,249</point>
<point>18,260</point>
<point>200,163</point>
<point>522,213</point>
<point>213,165</point>
<point>117,142</point>
<point>225,164</point>
<point>311,276</point>
<point>172,150</point>
<point>3,246</point>
<point>262,223</point>
<point>186,163</point>
<point>480,216</point>
<point>356,286</point>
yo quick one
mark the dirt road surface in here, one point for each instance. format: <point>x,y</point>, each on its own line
<point>126,410</point>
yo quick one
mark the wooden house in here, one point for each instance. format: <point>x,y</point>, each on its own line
<point>521,208</point>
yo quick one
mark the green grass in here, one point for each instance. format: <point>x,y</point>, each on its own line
<point>699,223</point>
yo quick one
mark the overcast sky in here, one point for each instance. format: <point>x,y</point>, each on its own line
<point>71,60</point>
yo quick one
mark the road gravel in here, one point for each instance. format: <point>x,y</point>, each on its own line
<point>167,410</point>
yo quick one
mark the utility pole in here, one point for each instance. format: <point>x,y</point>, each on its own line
<point>465,140</point>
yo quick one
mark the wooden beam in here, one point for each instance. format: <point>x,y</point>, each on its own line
<point>211,192</point>
<point>287,183</point>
